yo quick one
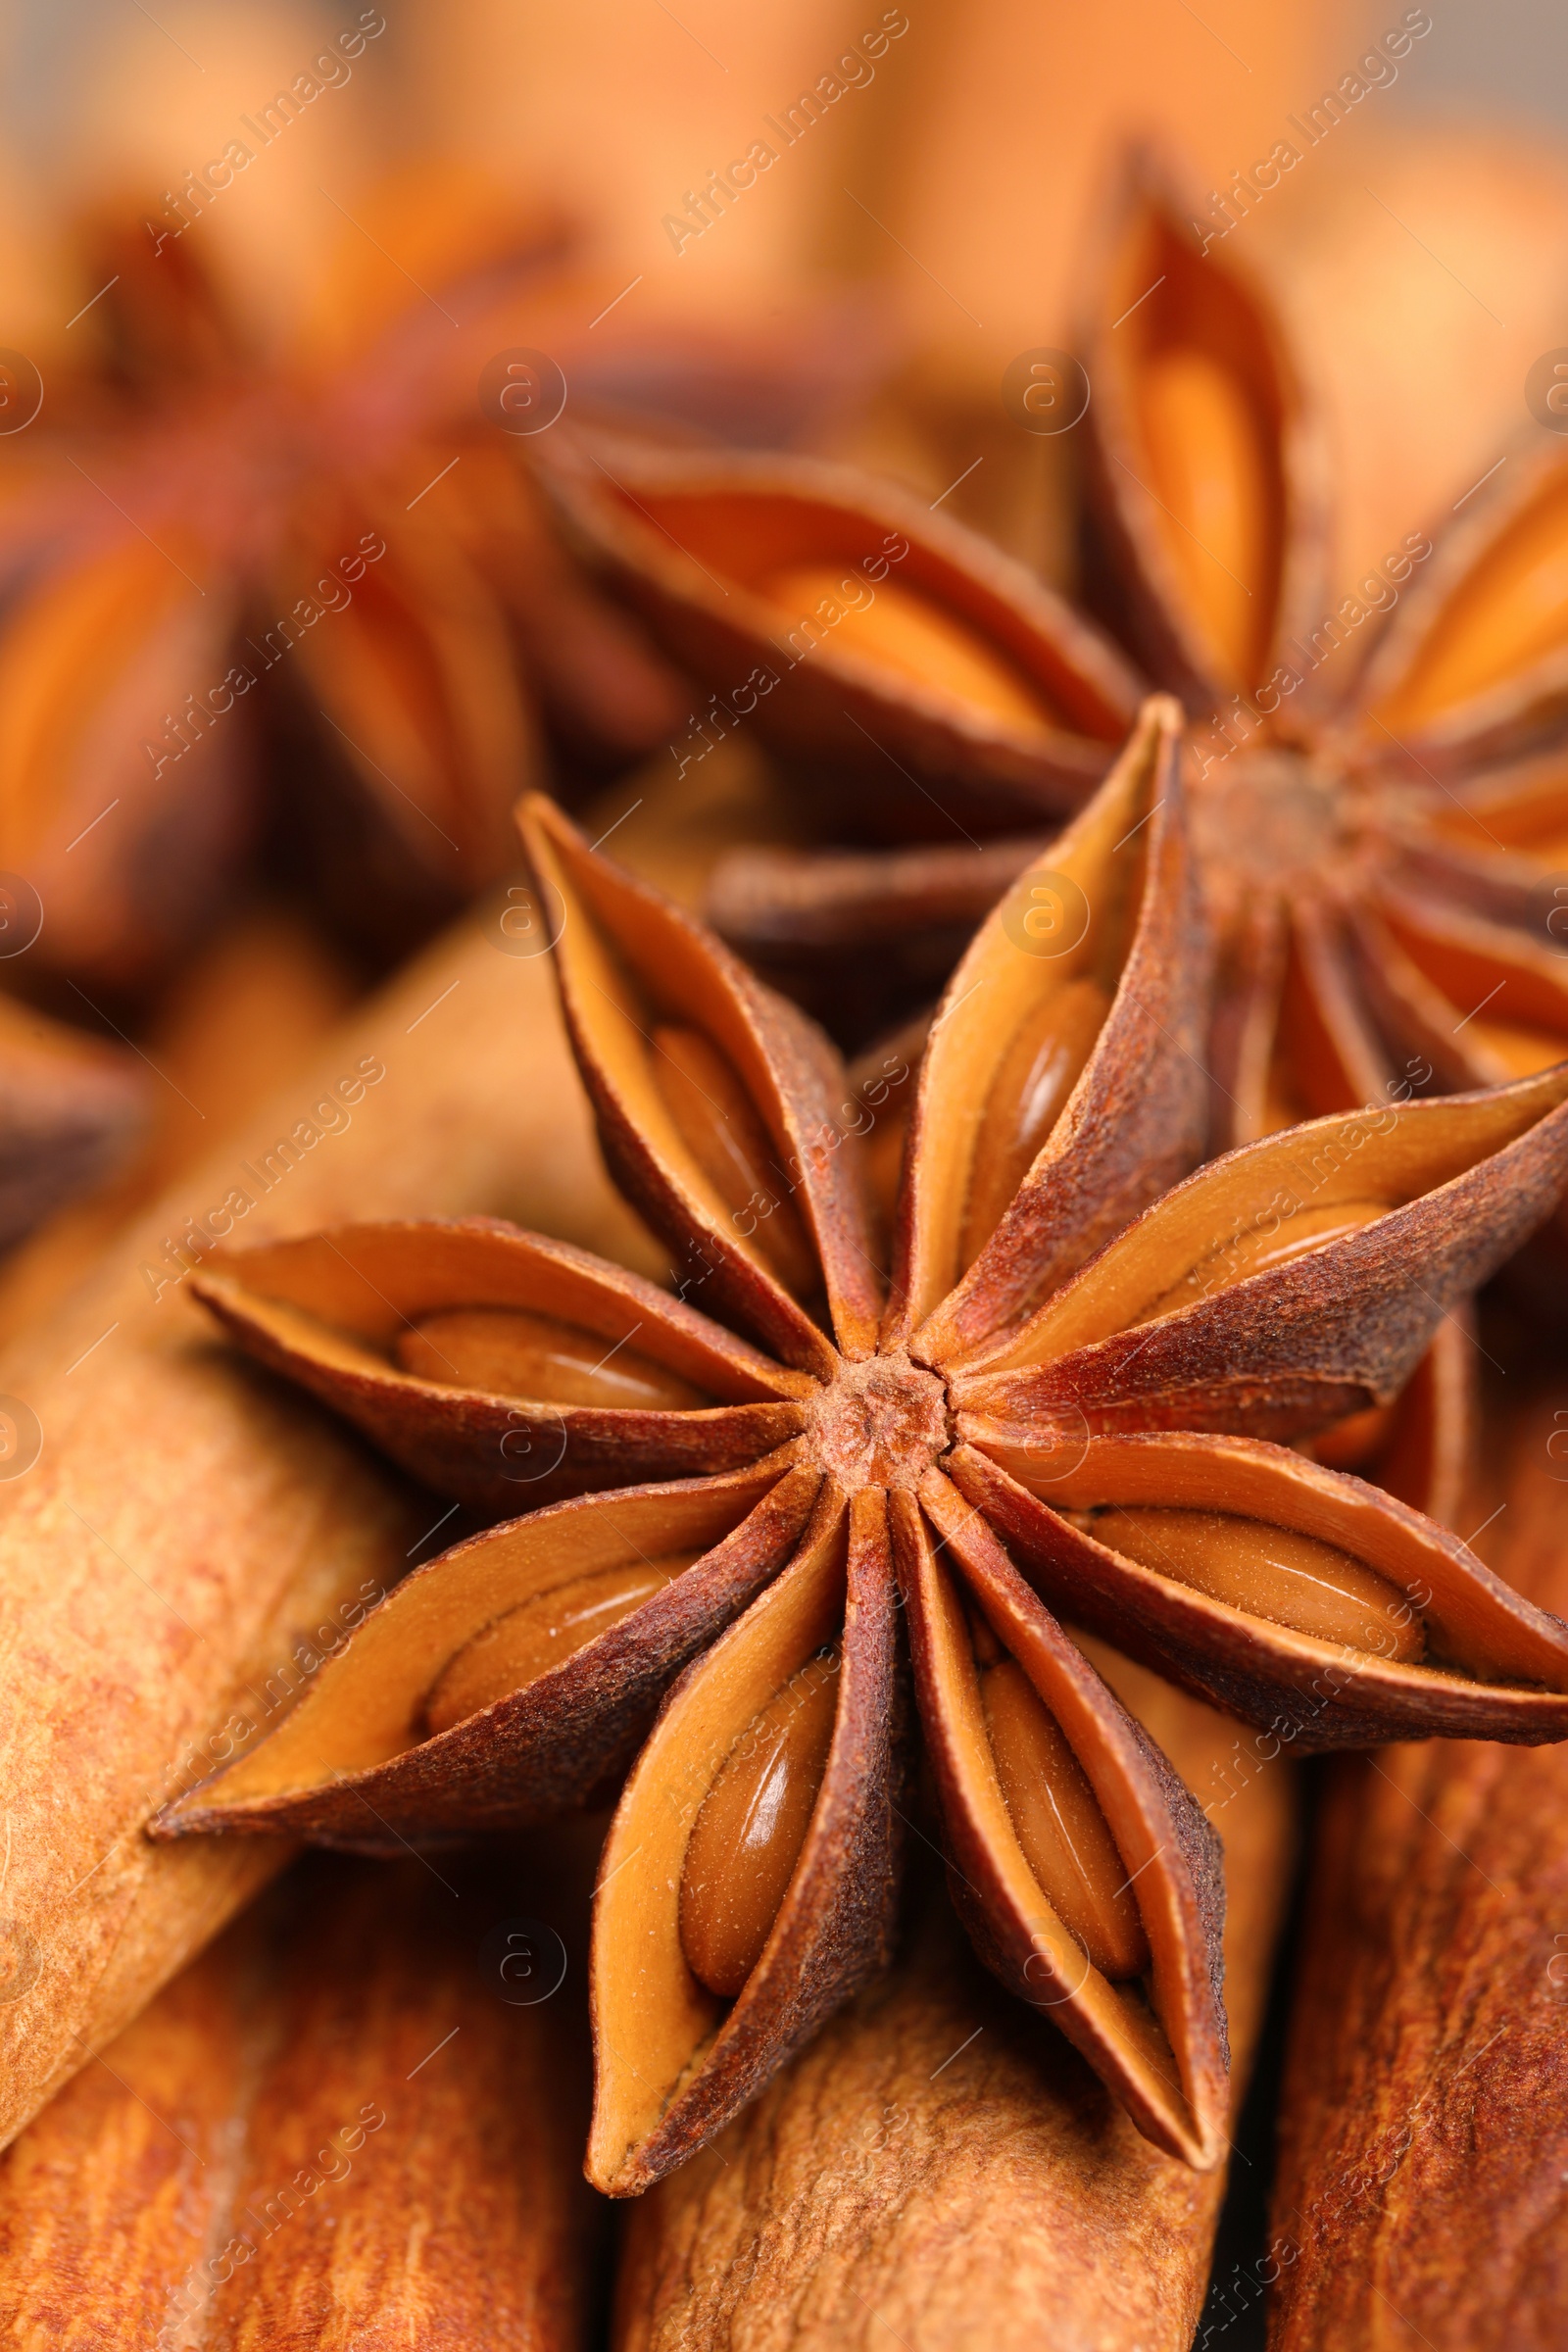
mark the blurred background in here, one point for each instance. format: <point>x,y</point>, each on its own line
<point>286,620</point>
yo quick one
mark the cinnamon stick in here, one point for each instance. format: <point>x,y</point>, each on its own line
<point>1423,2187</point>
<point>243,1016</point>
<point>183,1541</point>
<point>339,2125</point>
<point>941,2171</point>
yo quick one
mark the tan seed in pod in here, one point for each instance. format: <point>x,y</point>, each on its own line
<point>1260,1251</point>
<point>704,1096</point>
<point>748,1836</point>
<point>1208,475</point>
<point>513,1354</point>
<point>906,632</point>
<point>1038,1072</point>
<point>1065,1837</point>
<point>517,1648</point>
<point>1270,1572</point>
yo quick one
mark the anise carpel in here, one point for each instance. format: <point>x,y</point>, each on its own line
<point>1056,1424</point>
<point>1378,789</point>
<point>315,562</point>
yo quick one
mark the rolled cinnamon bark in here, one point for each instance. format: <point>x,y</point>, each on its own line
<point>181,1541</point>
<point>940,2170</point>
<point>339,2125</point>
<point>1423,2188</point>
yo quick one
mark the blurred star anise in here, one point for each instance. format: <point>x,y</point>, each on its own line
<point>1379,792</point>
<point>311,587</point>
<point>1057,1426</point>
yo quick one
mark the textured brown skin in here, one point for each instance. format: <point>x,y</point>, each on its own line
<point>549,1747</point>
<point>1135,1123</point>
<point>1332,1699</point>
<point>1123,540</point>
<point>1191,1883</point>
<point>1424,2153</point>
<point>163,2199</point>
<point>835,1928</point>
<point>829,707</point>
<point>249,1517</point>
<point>761,898</point>
<point>496,1453</point>
<point>894,2185</point>
<point>457,1441</point>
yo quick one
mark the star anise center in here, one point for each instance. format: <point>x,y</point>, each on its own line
<point>1278,822</point>
<point>881,1423</point>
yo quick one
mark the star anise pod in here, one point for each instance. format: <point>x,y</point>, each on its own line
<point>1060,1421</point>
<point>1380,815</point>
<point>309,587</point>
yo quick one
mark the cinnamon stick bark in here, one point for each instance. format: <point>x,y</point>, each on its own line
<point>332,2128</point>
<point>243,1016</point>
<point>183,1542</point>
<point>941,2171</point>
<point>1423,2187</point>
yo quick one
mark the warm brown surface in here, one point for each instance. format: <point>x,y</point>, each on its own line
<point>272,2156</point>
<point>1424,2178</point>
<point>940,2170</point>
<point>245,1015</point>
<point>186,1524</point>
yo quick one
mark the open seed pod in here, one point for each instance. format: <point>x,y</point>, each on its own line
<point>1384,886</point>
<point>748,1876</point>
<point>849,625</point>
<point>501,1368</point>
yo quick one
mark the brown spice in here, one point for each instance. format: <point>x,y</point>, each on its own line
<point>1424,2151</point>
<point>330,2129</point>
<point>934,2171</point>
<point>951,1445</point>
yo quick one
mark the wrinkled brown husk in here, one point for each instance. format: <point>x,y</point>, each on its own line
<point>1421,2197</point>
<point>190,1533</point>
<point>940,2170</point>
<point>331,2129</point>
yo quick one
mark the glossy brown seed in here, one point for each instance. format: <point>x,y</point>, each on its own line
<point>1257,1251</point>
<point>517,1648</point>
<point>906,632</point>
<point>704,1096</point>
<point>1270,1572</point>
<point>1208,472</point>
<point>511,1352</point>
<point>749,1833</point>
<point>1066,1837</point>
<point>1036,1075</point>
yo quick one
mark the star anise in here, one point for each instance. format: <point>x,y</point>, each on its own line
<point>1058,1424</point>
<point>311,587</point>
<point>1380,812</point>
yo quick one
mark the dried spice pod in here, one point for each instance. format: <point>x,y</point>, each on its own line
<point>329,2125</point>
<point>501,1368</point>
<point>748,1875</point>
<point>935,2168</point>
<point>1380,825</point>
<point>72,1110</point>
<point>848,623</point>
<point>305,582</point>
<point>1422,2148</point>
